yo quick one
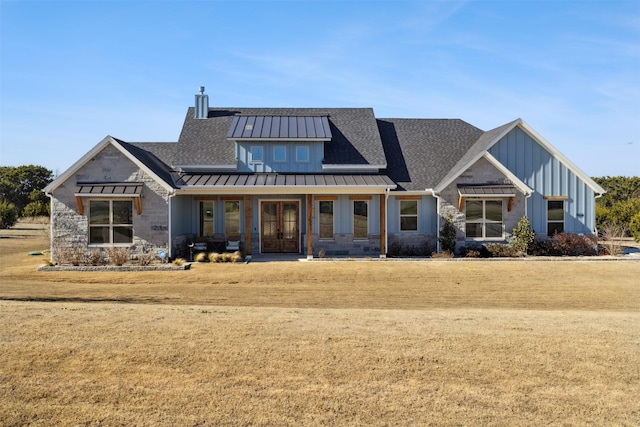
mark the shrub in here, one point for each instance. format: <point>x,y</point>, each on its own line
<point>73,255</point>
<point>523,235</point>
<point>95,257</point>
<point>571,244</point>
<point>502,250</point>
<point>634,227</point>
<point>8,214</point>
<point>611,236</point>
<point>147,258</point>
<point>201,257</point>
<point>179,261</point>
<point>118,256</point>
<point>215,257</point>
<point>447,237</point>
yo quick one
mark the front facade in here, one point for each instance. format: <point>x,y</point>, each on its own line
<point>334,182</point>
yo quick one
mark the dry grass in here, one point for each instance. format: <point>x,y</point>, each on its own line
<point>327,343</point>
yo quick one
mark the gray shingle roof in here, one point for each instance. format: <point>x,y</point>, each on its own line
<point>355,136</point>
<point>155,156</point>
<point>420,152</point>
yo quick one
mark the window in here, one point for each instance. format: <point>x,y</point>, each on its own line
<point>279,153</point>
<point>408,215</point>
<point>256,154</point>
<point>484,219</point>
<point>206,218</point>
<point>232,218</point>
<point>326,219</point>
<point>360,219</point>
<point>110,222</point>
<point>302,153</point>
<point>555,217</point>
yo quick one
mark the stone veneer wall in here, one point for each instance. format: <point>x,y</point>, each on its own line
<point>482,172</point>
<point>344,245</point>
<point>69,228</point>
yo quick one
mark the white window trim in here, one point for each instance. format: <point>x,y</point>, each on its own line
<point>353,219</point>
<point>275,147</point>
<point>110,224</point>
<point>484,220</point>
<point>417,215</point>
<point>333,217</point>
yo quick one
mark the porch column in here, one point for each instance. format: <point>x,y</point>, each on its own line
<point>247,225</point>
<point>309,226</point>
<point>383,226</point>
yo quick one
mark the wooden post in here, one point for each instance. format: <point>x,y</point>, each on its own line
<point>309,226</point>
<point>247,225</point>
<point>383,226</point>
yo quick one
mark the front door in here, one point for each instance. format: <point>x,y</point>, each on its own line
<point>279,226</point>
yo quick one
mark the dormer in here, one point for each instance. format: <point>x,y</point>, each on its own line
<point>280,143</point>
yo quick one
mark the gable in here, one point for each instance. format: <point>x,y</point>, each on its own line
<point>537,163</point>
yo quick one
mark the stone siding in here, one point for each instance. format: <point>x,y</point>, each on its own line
<point>70,229</point>
<point>482,172</point>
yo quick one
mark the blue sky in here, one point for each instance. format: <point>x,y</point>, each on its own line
<point>73,72</point>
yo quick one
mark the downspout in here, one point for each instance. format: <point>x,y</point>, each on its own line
<point>595,223</point>
<point>434,194</point>
<point>386,220</point>
<point>50,196</point>
<point>169,245</point>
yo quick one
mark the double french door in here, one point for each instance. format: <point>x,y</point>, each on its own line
<point>279,225</point>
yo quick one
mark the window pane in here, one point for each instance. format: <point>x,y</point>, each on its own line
<point>206,218</point>
<point>122,234</point>
<point>98,212</point>
<point>493,210</point>
<point>555,210</point>
<point>409,223</point>
<point>474,210</point>
<point>122,212</point>
<point>555,227</point>
<point>326,219</point>
<point>256,153</point>
<point>232,217</point>
<point>474,229</point>
<point>98,235</point>
<point>360,219</point>
<point>408,207</point>
<point>290,220</point>
<point>493,229</point>
<point>280,153</point>
<point>302,153</point>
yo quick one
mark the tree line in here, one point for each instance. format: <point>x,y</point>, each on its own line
<point>21,193</point>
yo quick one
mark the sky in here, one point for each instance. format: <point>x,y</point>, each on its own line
<point>73,72</point>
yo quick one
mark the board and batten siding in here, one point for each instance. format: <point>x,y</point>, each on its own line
<point>427,215</point>
<point>547,176</point>
<point>268,165</point>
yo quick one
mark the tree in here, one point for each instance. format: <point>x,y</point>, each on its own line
<point>447,237</point>
<point>8,214</point>
<point>619,204</point>
<point>523,235</point>
<point>24,184</point>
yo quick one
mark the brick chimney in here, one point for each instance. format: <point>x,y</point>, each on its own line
<point>202,104</point>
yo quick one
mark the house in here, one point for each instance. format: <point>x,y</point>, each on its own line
<point>301,180</point>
